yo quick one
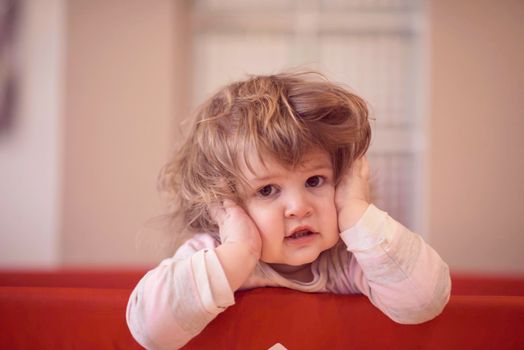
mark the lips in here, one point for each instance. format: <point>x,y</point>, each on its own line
<point>301,231</point>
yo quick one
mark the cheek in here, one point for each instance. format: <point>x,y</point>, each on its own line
<point>330,211</point>
<point>326,205</point>
<point>262,216</point>
<point>327,197</point>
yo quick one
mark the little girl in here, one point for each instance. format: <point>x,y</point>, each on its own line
<point>272,182</point>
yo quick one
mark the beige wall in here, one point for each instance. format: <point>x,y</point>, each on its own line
<point>118,126</point>
<point>476,128</point>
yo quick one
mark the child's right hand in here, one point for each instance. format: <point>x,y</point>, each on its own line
<point>237,227</point>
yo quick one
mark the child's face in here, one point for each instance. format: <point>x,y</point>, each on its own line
<point>294,209</point>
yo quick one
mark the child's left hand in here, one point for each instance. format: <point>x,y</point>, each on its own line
<point>352,195</point>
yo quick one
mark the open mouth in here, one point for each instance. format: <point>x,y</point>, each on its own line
<point>300,234</point>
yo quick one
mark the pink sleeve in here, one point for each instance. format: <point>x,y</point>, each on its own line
<point>176,300</point>
<point>401,274</point>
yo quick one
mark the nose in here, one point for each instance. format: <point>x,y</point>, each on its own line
<point>297,205</point>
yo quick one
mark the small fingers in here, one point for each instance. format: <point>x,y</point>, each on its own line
<point>219,210</point>
<point>217,213</point>
<point>360,168</point>
<point>228,204</point>
<point>365,170</point>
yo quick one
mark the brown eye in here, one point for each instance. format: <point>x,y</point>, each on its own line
<point>314,181</point>
<point>266,190</point>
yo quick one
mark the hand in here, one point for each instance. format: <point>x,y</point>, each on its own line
<point>241,246</point>
<point>352,195</point>
<point>237,227</point>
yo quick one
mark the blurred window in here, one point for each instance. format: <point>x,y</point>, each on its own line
<point>376,48</point>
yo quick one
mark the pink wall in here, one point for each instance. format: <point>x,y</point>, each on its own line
<point>476,128</point>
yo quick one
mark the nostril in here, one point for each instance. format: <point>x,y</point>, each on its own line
<point>299,211</point>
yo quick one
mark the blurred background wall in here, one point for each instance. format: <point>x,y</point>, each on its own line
<point>105,84</point>
<point>31,139</point>
<point>476,128</point>
<point>118,119</point>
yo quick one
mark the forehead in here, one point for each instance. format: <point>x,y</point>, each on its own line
<point>257,166</point>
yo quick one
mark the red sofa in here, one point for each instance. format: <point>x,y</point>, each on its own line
<point>84,309</point>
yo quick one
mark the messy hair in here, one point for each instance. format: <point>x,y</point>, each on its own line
<point>283,116</point>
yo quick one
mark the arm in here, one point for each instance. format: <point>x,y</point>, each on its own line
<point>175,301</point>
<point>402,275</point>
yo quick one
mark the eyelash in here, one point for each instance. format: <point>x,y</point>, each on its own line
<point>321,180</point>
<point>273,189</point>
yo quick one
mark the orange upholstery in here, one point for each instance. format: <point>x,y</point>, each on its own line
<point>37,311</point>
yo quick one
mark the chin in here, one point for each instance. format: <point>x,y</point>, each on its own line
<point>306,256</point>
<point>304,259</point>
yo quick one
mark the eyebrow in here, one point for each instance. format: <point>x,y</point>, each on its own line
<point>313,168</point>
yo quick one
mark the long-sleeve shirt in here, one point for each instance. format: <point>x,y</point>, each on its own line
<point>378,257</point>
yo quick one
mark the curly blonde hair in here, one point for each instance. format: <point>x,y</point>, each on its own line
<point>283,116</point>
